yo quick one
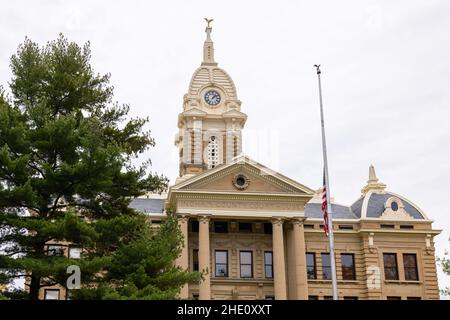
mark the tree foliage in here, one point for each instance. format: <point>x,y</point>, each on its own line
<point>67,175</point>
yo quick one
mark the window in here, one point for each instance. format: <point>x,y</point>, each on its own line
<point>326,266</point>
<point>387,226</point>
<point>221,227</point>
<point>194,226</point>
<point>74,253</point>
<point>413,298</point>
<point>345,227</point>
<point>51,294</point>
<point>348,266</point>
<point>245,227</point>
<point>195,260</point>
<point>394,206</point>
<point>406,226</point>
<point>195,297</point>
<point>267,228</point>
<point>390,266</point>
<point>270,298</point>
<point>192,147</point>
<point>313,297</point>
<point>55,250</point>
<point>268,264</point>
<point>235,146</point>
<point>393,298</point>
<point>327,297</point>
<point>410,266</point>
<point>212,153</point>
<point>246,261</point>
<point>221,263</point>
<point>350,298</point>
<point>311,265</point>
<point>308,226</point>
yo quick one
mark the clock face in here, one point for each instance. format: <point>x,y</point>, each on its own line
<point>212,98</point>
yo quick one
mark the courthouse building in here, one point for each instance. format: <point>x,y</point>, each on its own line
<point>259,234</point>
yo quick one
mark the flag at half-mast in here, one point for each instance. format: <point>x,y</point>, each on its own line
<point>325,205</point>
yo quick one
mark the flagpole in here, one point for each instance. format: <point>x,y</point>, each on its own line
<point>327,185</point>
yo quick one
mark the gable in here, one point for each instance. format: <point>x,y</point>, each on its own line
<point>260,180</point>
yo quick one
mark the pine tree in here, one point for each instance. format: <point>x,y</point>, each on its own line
<point>66,173</point>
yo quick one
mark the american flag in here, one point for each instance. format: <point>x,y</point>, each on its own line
<point>324,205</point>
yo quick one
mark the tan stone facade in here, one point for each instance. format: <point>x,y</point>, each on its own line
<point>259,235</point>
<point>290,236</point>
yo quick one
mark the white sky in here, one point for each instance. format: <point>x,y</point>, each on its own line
<point>386,73</point>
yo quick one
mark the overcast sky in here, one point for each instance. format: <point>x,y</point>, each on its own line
<point>385,76</point>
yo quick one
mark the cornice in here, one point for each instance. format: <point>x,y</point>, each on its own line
<point>237,195</point>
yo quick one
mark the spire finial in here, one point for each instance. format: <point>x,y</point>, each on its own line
<point>372,174</point>
<point>372,183</point>
<point>208,22</point>
<point>208,46</point>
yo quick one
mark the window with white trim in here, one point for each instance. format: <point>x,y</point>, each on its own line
<point>213,152</point>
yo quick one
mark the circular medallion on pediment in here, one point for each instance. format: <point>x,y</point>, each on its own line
<point>240,181</point>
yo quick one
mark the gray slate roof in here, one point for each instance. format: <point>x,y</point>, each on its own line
<point>148,205</point>
<point>314,210</point>
<point>375,206</point>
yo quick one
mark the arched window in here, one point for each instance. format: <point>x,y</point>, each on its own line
<point>213,152</point>
<point>235,146</point>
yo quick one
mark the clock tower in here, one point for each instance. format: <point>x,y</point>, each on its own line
<point>211,123</point>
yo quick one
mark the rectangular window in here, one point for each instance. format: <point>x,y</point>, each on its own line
<point>55,250</point>
<point>221,227</point>
<point>195,260</point>
<point>406,226</point>
<point>326,266</point>
<point>221,263</point>
<point>74,253</point>
<point>345,227</point>
<point>327,297</point>
<point>348,266</point>
<point>308,226</point>
<point>311,265</point>
<point>393,298</point>
<point>390,266</point>
<point>267,228</point>
<point>194,226</point>
<point>51,294</point>
<point>268,264</point>
<point>245,227</point>
<point>313,297</point>
<point>410,266</point>
<point>246,261</point>
<point>387,226</point>
<point>350,298</point>
<point>413,298</point>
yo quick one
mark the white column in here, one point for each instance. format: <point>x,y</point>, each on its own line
<point>300,259</point>
<point>279,262</point>
<point>203,258</point>
<point>183,258</point>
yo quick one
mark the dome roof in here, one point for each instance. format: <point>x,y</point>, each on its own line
<point>212,75</point>
<point>209,74</point>
<point>376,202</point>
<point>375,205</point>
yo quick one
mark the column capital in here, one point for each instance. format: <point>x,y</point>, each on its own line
<point>183,217</point>
<point>204,218</point>
<point>298,221</point>
<point>278,221</point>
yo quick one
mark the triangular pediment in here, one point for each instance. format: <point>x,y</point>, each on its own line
<point>234,114</point>
<point>193,112</point>
<point>258,180</point>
